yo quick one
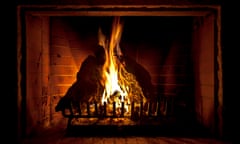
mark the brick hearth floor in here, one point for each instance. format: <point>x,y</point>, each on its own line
<point>125,140</point>
<point>59,137</point>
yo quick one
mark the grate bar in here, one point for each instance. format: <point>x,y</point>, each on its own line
<point>144,109</point>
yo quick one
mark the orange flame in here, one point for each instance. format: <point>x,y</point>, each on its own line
<point>119,85</point>
<point>112,66</point>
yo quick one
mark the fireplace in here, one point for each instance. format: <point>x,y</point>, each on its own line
<point>173,54</point>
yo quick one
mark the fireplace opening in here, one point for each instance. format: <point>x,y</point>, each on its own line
<point>131,72</point>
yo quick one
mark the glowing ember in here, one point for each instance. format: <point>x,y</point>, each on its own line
<point>119,85</point>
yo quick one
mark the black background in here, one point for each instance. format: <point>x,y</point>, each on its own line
<point>230,56</point>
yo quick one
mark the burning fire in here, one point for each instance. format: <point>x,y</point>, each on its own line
<point>120,86</point>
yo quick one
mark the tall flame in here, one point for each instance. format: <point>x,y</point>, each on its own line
<point>112,65</point>
<point>115,79</point>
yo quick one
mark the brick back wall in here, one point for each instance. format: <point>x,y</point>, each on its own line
<point>68,50</point>
<point>170,71</point>
<point>62,65</point>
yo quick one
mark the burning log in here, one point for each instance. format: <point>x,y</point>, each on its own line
<point>111,80</point>
<point>87,87</point>
<point>141,75</point>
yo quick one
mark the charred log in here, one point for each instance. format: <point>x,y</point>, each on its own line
<point>142,76</point>
<point>87,87</point>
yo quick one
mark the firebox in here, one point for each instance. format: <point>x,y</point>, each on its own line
<point>133,68</point>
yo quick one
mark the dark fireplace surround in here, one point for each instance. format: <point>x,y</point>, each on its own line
<point>180,47</point>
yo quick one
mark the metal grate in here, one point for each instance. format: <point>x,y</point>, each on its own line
<point>94,110</point>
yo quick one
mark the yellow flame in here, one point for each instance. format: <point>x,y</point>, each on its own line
<point>119,85</point>
<point>112,65</point>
